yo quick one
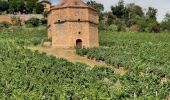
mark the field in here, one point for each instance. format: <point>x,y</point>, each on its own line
<point>28,75</point>
<point>145,56</point>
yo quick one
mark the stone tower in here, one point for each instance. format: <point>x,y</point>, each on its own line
<point>73,24</point>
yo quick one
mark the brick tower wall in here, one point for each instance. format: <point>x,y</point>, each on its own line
<point>67,25</point>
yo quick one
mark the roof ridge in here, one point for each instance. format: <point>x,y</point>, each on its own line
<point>72,3</point>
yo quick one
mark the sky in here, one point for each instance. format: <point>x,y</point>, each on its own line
<point>163,6</point>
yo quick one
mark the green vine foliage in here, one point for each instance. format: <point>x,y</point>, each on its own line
<point>146,58</point>
<point>28,75</point>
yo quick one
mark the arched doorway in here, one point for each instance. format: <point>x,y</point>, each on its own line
<point>78,43</point>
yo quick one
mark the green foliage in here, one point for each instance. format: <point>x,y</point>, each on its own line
<point>39,8</point>
<point>146,58</point>
<point>13,6</point>
<point>134,10</point>
<point>98,7</point>
<point>24,36</point>
<point>5,25</point>
<point>16,21</point>
<point>25,74</point>
<point>16,6</point>
<point>44,21</point>
<point>22,6</point>
<point>141,23</point>
<point>112,28</point>
<point>151,14</point>
<point>110,18</point>
<point>101,25</point>
<point>152,26</point>
<point>120,25</point>
<point>4,5</point>
<point>119,10</point>
<point>31,4</point>
<point>165,24</point>
<point>131,17</point>
<point>167,17</point>
<point>33,22</point>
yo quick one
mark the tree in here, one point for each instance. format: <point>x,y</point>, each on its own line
<point>97,6</point>
<point>134,10</point>
<point>119,10</point>
<point>165,24</point>
<point>4,5</point>
<point>25,6</point>
<point>167,17</point>
<point>110,18</point>
<point>151,13</point>
<point>12,6</point>
<point>21,6</point>
<point>141,23</point>
<point>39,8</point>
<point>152,24</point>
<point>31,4</point>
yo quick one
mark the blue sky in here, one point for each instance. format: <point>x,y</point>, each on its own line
<point>163,6</point>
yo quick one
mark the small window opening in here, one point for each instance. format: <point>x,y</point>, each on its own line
<point>59,21</point>
<point>79,32</point>
<point>79,20</point>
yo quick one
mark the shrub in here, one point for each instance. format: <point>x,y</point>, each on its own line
<point>101,26</point>
<point>134,28</point>
<point>5,25</point>
<point>165,26</point>
<point>112,28</point>
<point>121,26</point>
<point>34,22</point>
<point>153,27</point>
<point>44,21</point>
<point>16,21</point>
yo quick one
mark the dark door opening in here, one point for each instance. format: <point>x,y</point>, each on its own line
<point>78,43</point>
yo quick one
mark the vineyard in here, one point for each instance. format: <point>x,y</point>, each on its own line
<point>145,56</point>
<point>28,75</point>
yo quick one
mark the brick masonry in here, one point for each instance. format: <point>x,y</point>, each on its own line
<point>72,24</point>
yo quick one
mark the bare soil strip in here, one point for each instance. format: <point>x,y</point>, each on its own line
<point>70,55</point>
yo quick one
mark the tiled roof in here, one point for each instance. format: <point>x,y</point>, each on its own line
<point>71,3</point>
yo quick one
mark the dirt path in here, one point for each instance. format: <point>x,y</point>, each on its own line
<point>70,55</point>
